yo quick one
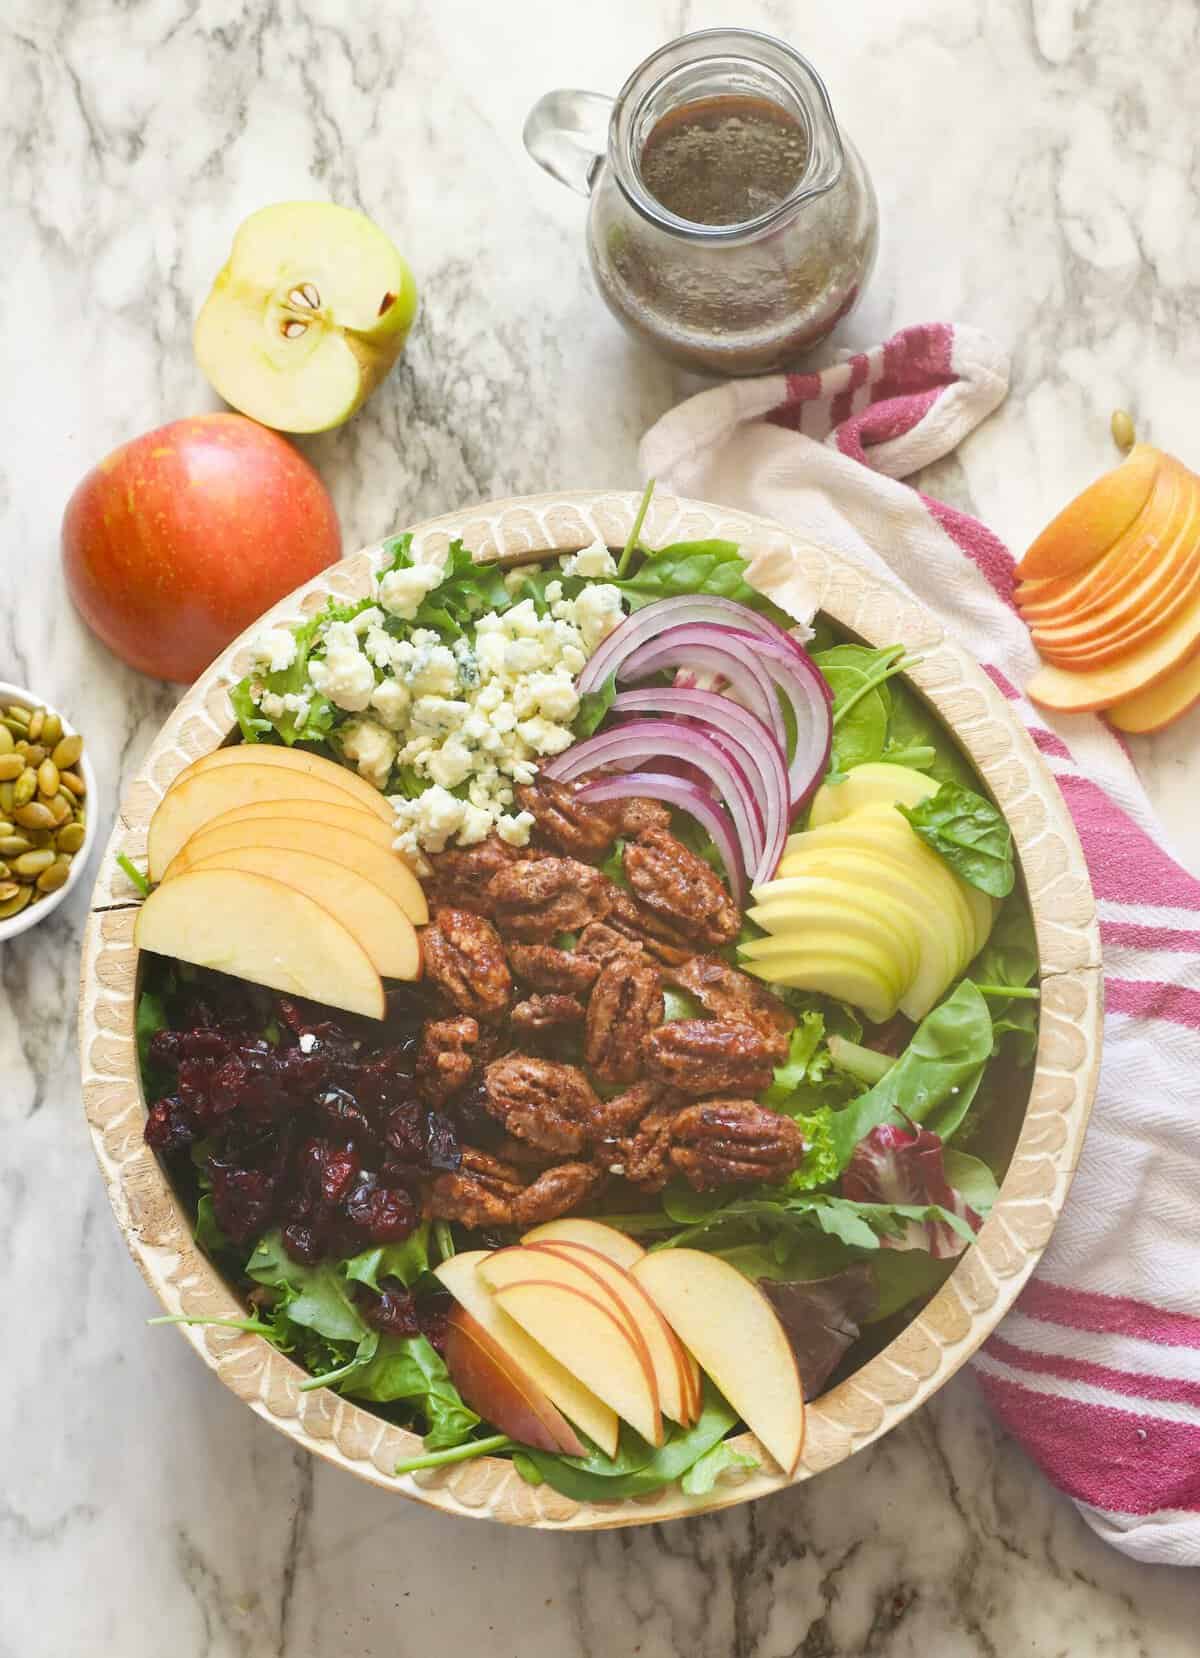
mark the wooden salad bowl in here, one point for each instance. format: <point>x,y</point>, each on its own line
<point>989,1274</point>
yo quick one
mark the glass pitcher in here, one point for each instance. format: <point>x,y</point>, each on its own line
<point>742,297</point>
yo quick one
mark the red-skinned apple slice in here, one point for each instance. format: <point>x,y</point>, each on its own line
<point>670,1375</point>
<point>583,1333</point>
<point>728,1324</point>
<point>618,1246</point>
<point>460,1275</point>
<point>495,1387</point>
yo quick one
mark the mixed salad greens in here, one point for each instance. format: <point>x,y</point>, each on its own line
<point>908,1129</point>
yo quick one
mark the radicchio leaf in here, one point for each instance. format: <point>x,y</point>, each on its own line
<point>823,1320</point>
<point>903,1166</point>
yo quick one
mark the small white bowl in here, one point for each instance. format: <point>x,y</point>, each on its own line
<point>33,913</point>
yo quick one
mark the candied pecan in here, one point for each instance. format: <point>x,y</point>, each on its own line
<point>729,994</point>
<point>542,1012</point>
<point>680,887</point>
<point>445,1059</point>
<point>599,942</point>
<point>625,1111</point>
<point>540,1100</point>
<point>563,972</point>
<point>571,826</point>
<point>465,960</point>
<point>647,931</point>
<point>626,1004</point>
<point>461,873</point>
<point>638,814</point>
<point>698,1056</point>
<point>481,1192</point>
<point>557,1192</point>
<point>729,1142</point>
<point>645,1156</point>
<point>533,901</point>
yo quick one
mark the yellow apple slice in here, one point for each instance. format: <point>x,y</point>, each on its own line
<point>728,1324</point>
<point>372,915</point>
<point>339,817</point>
<point>345,848</point>
<point>259,929</point>
<point>188,807</point>
<point>581,1332</point>
<point>292,762</point>
<point>460,1275</point>
<point>674,1387</point>
<point>875,783</point>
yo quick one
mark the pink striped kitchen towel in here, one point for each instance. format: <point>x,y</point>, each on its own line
<point>1097,1369</point>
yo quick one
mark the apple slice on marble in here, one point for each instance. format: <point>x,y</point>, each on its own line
<point>306,317</point>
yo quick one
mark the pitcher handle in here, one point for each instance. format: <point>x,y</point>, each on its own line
<point>566,133</point>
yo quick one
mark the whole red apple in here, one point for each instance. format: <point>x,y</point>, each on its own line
<point>180,539</point>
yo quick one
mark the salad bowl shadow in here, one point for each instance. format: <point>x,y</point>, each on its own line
<point>987,1278</point>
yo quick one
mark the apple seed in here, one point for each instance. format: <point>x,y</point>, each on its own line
<point>291,328</point>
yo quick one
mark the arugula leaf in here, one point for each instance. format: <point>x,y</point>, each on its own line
<point>409,1368</point>
<point>704,1473</point>
<point>593,706</point>
<point>317,1297</point>
<point>941,1066</point>
<point>969,834</point>
<point>858,1226</point>
<point>713,567</point>
<point>599,1479</point>
<point>405,1261</point>
<point>677,1004</point>
<point>466,590</point>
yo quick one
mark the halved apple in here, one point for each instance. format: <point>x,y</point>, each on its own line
<point>583,1327</point>
<point>1093,520</point>
<point>347,849</point>
<point>674,1387</point>
<point>876,783</point>
<point>306,317</point>
<point>460,1275</point>
<point>292,762</point>
<point>259,929</point>
<point>495,1387</point>
<point>368,911</point>
<point>728,1324</point>
<point>339,817</point>
<point>191,806</point>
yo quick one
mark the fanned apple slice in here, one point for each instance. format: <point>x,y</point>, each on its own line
<point>338,816</point>
<point>583,1333</point>
<point>460,1275</point>
<point>674,1388</point>
<point>1089,524</point>
<point>367,911</point>
<point>732,1329</point>
<point>496,1388</point>
<point>618,1246</point>
<point>344,847</point>
<point>292,762</point>
<point>259,929</point>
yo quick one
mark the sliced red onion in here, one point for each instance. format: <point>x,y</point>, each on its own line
<point>748,740</point>
<point>811,701</point>
<point>687,797</point>
<point>653,740</point>
<point>684,607</point>
<point>710,646</point>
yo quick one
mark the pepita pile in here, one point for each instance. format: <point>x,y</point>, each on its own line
<point>43,806</point>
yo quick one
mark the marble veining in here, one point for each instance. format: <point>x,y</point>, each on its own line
<point>1036,164</point>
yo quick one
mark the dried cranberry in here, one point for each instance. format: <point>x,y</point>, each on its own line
<point>243,1200</point>
<point>406,1133</point>
<point>302,1244</point>
<point>164,1049</point>
<point>170,1125</point>
<point>226,1085</point>
<point>387,1214</point>
<point>431,1316</point>
<point>441,1142</point>
<point>203,1044</point>
<point>340,1167</point>
<point>342,1112</point>
<point>393,1311</point>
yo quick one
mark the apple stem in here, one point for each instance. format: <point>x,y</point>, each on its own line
<point>456,1453</point>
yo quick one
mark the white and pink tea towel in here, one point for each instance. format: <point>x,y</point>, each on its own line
<point>1097,1370</point>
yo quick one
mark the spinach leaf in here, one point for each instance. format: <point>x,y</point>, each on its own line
<point>971,1178</point>
<point>790,1257</point>
<point>316,1297</point>
<point>901,1275</point>
<point>860,734</point>
<point>1010,959</point>
<point>913,727</point>
<point>408,1368</point>
<point>593,706</point>
<point>591,1483</point>
<point>704,1473</point>
<point>405,1261</point>
<point>947,1055</point>
<point>713,567</point>
<point>969,834</point>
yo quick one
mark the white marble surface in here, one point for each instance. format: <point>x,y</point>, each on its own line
<point>1035,161</point>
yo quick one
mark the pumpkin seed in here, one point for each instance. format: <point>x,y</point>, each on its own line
<point>56,876</point>
<point>15,905</point>
<point>6,740</point>
<point>11,846</point>
<point>14,711</point>
<point>1123,430</point>
<point>25,787</point>
<point>67,751</point>
<point>62,808</point>
<point>34,753</point>
<point>11,767</point>
<point>36,721</point>
<point>70,837</point>
<point>48,778</point>
<point>31,864</point>
<point>73,780</point>
<point>6,797</point>
<point>8,889</point>
<point>40,838</point>
<point>35,816</point>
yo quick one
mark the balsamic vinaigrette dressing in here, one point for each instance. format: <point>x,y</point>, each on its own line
<point>723,160</point>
